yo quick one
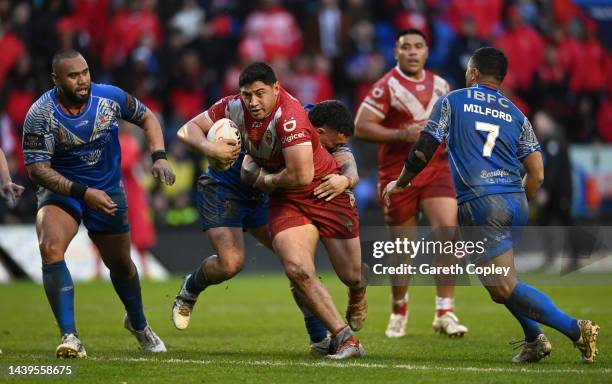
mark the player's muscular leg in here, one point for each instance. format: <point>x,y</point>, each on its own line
<point>55,229</point>
<point>441,213</point>
<point>500,287</point>
<point>296,248</point>
<point>229,260</point>
<point>345,256</point>
<point>399,283</point>
<point>115,253</point>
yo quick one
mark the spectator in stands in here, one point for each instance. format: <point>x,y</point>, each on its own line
<point>463,47</point>
<point>524,48</point>
<point>272,31</point>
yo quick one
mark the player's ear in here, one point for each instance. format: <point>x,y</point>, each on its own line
<point>276,88</point>
<point>475,74</point>
<point>54,78</point>
<point>320,130</point>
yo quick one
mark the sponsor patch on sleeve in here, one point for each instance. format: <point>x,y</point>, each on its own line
<point>34,142</point>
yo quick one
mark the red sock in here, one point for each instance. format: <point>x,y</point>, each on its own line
<point>441,312</point>
<point>400,309</point>
<point>337,331</point>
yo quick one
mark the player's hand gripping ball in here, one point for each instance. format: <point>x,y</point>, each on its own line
<point>226,135</point>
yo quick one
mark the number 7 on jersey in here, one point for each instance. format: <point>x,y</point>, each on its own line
<point>493,131</point>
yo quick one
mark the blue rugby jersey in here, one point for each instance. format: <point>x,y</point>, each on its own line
<point>486,136</point>
<point>84,148</point>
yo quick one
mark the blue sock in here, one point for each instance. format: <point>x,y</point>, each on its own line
<point>60,293</point>
<point>530,328</point>
<point>128,291</point>
<point>197,282</point>
<point>537,306</point>
<point>315,328</point>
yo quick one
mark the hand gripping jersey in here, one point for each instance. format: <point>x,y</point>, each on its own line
<point>264,140</point>
<point>84,148</point>
<point>400,100</point>
<point>487,136</point>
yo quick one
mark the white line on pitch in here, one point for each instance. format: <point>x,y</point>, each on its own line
<point>270,363</point>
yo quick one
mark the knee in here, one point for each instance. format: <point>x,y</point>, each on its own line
<point>231,264</point>
<point>297,274</point>
<point>123,269</point>
<point>354,278</point>
<point>500,293</point>
<point>50,251</point>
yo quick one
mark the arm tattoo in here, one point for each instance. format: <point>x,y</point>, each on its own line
<point>346,160</point>
<point>45,176</point>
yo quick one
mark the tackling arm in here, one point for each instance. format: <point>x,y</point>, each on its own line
<point>346,160</point>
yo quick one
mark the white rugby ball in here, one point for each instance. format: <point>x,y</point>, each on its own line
<point>221,130</point>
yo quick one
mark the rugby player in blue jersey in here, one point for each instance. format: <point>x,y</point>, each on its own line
<point>489,141</point>
<point>71,149</point>
<point>228,204</point>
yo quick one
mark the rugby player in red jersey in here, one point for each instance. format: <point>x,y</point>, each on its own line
<point>392,115</point>
<point>278,136</point>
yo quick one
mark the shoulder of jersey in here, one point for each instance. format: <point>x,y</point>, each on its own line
<point>43,103</point>
<point>105,91</point>
<point>291,107</point>
<point>456,93</point>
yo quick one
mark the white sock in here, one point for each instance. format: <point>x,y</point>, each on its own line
<point>445,303</point>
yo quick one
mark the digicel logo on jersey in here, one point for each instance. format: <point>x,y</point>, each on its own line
<point>294,136</point>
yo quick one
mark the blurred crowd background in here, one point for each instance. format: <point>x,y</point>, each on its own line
<point>179,57</point>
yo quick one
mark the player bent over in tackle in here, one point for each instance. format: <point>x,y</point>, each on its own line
<point>488,139</point>
<point>249,206</point>
<point>71,148</point>
<point>392,115</point>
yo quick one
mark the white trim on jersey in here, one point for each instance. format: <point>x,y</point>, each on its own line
<point>207,117</point>
<point>371,108</point>
<point>404,100</point>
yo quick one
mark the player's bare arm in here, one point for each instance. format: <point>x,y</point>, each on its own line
<point>42,174</point>
<point>333,184</point>
<point>534,174</point>
<point>368,128</point>
<point>298,172</point>
<point>153,134</point>
<point>9,191</point>
<point>250,170</point>
<point>193,135</point>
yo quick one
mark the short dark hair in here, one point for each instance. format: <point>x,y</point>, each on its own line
<point>257,71</point>
<point>409,31</point>
<point>335,115</point>
<point>63,54</point>
<point>491,61</point>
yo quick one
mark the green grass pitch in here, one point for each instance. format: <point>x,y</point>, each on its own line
<point>249,330</point>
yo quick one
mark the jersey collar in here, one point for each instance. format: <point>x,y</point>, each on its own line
<point>488,86</point>
<point>59,108</point>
